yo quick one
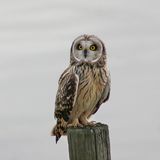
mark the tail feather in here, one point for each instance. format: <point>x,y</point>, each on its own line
<point>59,129</point>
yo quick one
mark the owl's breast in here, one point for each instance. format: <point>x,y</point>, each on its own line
<point>90,89</point>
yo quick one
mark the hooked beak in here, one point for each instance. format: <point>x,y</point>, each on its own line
<point>85,53</point>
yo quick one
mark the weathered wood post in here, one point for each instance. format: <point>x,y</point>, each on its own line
<point>89,143</point>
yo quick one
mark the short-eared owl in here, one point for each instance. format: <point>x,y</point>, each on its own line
<point>83,86</point>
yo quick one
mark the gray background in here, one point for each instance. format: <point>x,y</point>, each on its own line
<point>35,40</point>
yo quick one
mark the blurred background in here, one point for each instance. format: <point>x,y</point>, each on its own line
<point>35,40</point>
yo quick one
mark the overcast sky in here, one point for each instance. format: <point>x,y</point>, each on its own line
<point>35,40</point>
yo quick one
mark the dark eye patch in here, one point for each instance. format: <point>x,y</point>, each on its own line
<point>79,46</point>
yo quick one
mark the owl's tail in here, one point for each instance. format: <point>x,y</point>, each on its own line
<point>59,129</point>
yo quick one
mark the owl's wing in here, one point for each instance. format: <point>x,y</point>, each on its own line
<point>66,94</point>
<point>105,95</point>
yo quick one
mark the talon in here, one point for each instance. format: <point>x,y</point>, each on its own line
<point>92,123</point>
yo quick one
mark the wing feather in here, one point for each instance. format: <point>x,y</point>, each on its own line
<point>66,94</point>
<point>65,100</point>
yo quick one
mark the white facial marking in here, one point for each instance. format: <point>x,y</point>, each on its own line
<point>87,50</point>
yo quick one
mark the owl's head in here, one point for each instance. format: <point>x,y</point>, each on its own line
<point>87,49</point>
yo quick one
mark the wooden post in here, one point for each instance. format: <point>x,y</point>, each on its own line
<point>89,143</point>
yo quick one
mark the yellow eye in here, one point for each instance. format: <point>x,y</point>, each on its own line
<point>93,47</point>
<point>79,47</point>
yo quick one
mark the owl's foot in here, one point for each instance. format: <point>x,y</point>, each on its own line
<point>75,123</point>
<point>92,123</point>
<point>84,121</point>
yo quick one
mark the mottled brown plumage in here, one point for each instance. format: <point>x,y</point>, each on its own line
<point>83,86</point>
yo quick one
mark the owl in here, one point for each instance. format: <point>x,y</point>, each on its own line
<point>83,86</point>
